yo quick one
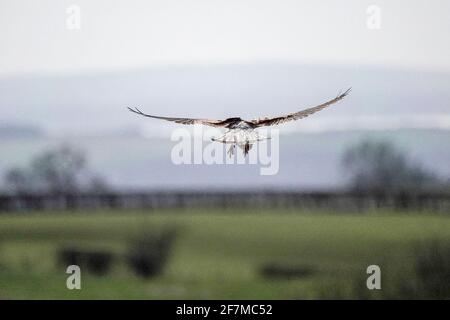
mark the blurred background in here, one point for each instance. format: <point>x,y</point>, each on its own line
<point>85,182</point>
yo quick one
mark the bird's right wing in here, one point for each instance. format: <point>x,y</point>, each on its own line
<point>300,114</point>
<point>187,121</point>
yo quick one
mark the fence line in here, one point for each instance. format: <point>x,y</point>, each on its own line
<point>226,200</point>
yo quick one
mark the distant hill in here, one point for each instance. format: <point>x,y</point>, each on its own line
<point>90,102</point>
<point>8,131</point>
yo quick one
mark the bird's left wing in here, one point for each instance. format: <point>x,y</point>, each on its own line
<point>298,115</point>
<point>207,122</point>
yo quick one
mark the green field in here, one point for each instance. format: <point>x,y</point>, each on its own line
<point>217,255</point>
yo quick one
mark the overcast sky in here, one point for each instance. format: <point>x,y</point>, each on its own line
<point>117,35</point>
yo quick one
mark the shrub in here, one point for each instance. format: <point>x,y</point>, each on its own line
<point>276,270</point>
<point>95,262</point>
<point>432,269</point>
<point>428,278</point>
<point>148,254</point>
<point>98,262</point>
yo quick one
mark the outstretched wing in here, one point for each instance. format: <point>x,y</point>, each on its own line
<point>207,122</point>
<point>298,115</point>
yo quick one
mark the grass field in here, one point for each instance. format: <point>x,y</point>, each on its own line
<point>217,255</point>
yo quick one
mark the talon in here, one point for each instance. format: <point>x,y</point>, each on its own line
<point>230,151</point>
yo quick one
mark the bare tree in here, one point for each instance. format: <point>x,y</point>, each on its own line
<point>379,166</point>
<point>60,170</point>
<point>17,180</point>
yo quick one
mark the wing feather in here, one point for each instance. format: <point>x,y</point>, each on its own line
<point>187,121</point>
<point>300,114</point>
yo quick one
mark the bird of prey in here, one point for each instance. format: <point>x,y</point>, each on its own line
<point>242,132</point>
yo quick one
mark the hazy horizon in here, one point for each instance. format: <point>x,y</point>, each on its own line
<point>381,99</point>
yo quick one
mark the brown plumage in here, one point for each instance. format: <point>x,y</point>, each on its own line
<point>300,114</point>
<point>238,123</point>
<point>241,132</point>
